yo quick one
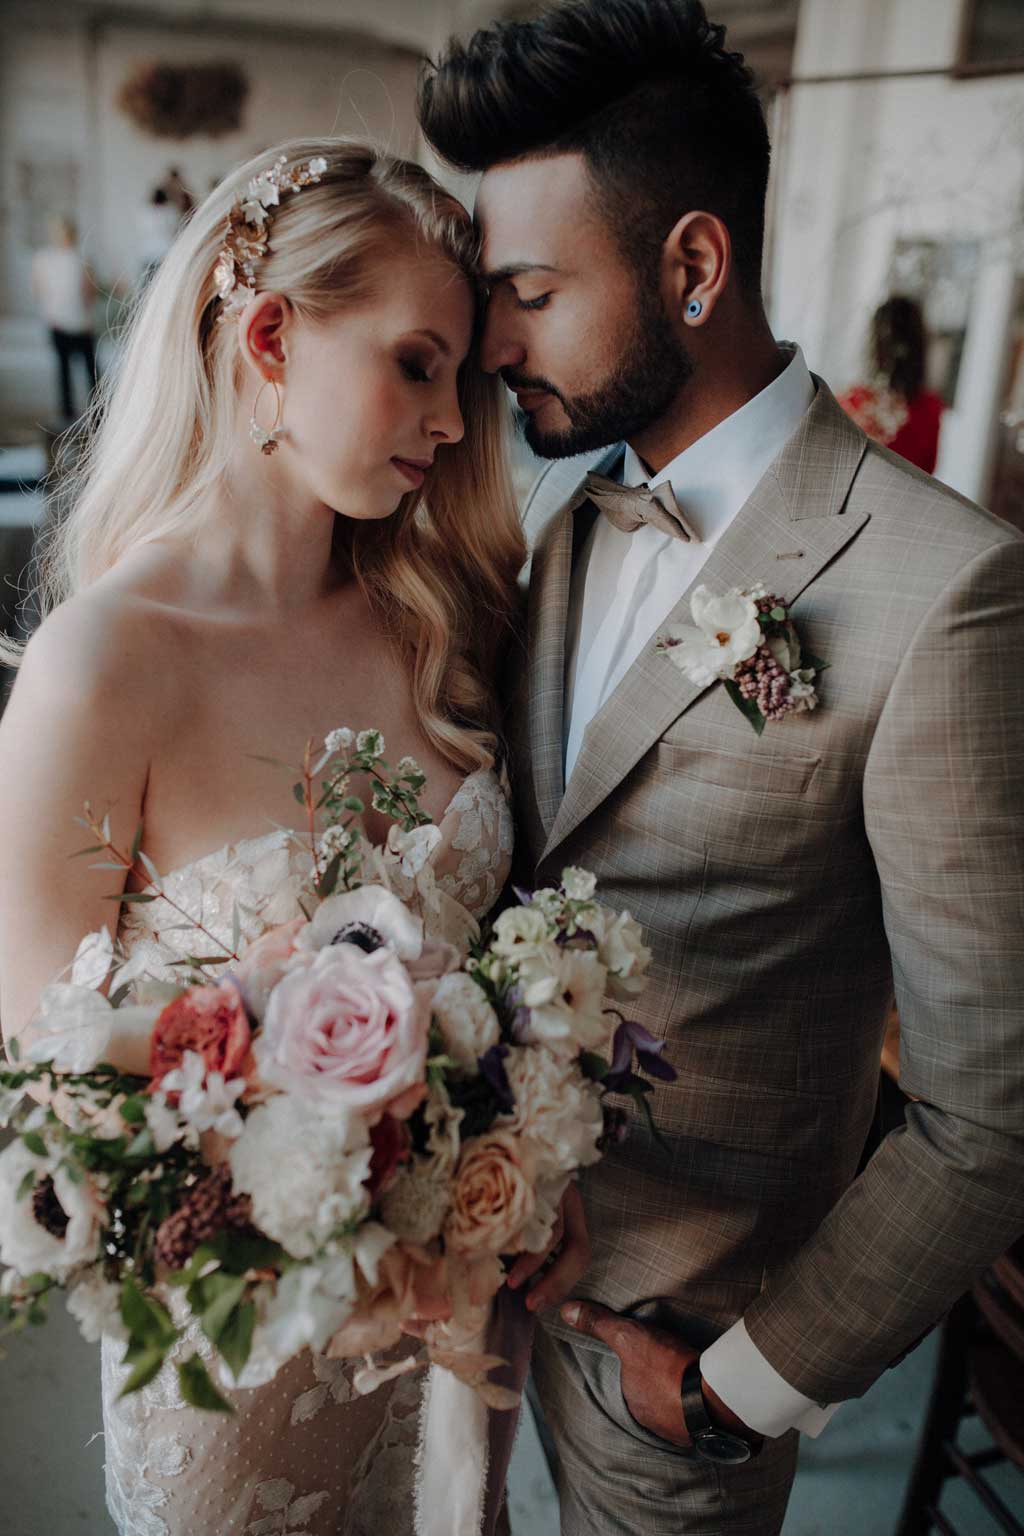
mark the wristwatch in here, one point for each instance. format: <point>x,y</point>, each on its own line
<point>710,1442</point>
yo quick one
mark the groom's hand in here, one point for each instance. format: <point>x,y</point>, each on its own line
<point>652,1361</point>
<point>564,1262</point>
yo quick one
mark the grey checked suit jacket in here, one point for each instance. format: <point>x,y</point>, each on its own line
<point>785,882</point>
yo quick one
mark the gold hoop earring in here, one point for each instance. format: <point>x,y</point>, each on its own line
<point>267,440</point>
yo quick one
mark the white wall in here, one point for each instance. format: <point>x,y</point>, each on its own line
<point>862,165</point>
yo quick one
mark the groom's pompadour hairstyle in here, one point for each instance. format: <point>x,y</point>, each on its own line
<point>665,117</point>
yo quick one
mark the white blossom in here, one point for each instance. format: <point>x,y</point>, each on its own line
<point>339,740</point>
<point>95,1305</point>
<point>93,959</point>
<point>557,1110</point>
<point>304,1166</point>
<point>566,1002</point>
<point>578,884</point>
<point>25,1244</point>
<point>468,1024</point>
<point>725,632</point>
<point>206,1102</point>
<point>521,931</point>
<point>369,907</point>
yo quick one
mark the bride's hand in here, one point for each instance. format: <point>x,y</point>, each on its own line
<point>567,1258</point>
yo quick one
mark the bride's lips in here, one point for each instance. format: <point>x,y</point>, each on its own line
<point>414,470</point>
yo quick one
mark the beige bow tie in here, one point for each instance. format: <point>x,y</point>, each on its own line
<point>631,507</point>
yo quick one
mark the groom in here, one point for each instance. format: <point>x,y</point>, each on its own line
<point>744,1281</point>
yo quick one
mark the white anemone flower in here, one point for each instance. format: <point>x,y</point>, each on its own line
<point>369,914</point>
<point>725,633</point>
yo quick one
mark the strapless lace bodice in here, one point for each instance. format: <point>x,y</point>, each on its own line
<point>303,1455</point>
<point>264,878</point>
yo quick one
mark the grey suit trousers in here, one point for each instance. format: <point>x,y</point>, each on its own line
<point>617,1479</point>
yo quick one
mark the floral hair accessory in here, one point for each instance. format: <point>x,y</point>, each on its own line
<point>247,235</point>
<point>749,641</point>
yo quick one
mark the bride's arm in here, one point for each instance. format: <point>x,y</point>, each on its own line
<point>77,728</point>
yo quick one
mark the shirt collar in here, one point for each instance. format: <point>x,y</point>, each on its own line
<point>715,476</point>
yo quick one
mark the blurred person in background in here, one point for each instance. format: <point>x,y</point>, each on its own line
<point>159,222</point>
<point>895,408</point>
<point>64,290</point>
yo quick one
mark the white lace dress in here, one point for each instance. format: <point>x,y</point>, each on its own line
<point>303,1455</point>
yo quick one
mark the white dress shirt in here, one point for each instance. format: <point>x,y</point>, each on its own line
<point>624,585</point>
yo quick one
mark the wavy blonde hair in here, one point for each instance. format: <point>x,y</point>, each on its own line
<point>440,572</point>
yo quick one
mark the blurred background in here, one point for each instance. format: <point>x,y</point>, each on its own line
<point>895,256</point>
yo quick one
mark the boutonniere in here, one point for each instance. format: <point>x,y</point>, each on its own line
<point>748,640</point>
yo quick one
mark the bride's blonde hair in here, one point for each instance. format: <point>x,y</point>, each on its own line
<point>441,571</point>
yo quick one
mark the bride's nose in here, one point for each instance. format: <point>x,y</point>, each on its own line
<point>444,424</point>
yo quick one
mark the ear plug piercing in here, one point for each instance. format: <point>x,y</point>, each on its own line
<point>694,308</point>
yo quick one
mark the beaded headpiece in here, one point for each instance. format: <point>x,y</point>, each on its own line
<point>247,236</point>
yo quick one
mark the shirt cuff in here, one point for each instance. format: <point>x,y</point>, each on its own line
<point>735,1368</point>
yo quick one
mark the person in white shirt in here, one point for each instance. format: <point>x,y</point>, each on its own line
<point>745,1278</point>
<point>64,290</point>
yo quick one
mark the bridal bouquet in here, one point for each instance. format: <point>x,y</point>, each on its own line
<point>347,1124</point>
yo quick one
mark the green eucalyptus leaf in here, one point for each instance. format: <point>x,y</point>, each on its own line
<point>27,1184</point>
<point>146,1319</point>
<point>132,896</point>
<point>354,804</point>
<point>197,1388</point>
<point>141,1145</point>
<point>217,1313</point>
<point>810,660</point>
<point>147,1365</point>
<point>133,1110</point>
<point>235,1338</point>
<point>299,791</point>
<point>35,1143</point>
<point>329,879</point>
<point>747,707</point>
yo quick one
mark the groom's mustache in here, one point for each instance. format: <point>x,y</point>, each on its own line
<point>521,384</point>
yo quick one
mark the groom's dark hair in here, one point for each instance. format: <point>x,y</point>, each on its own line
<point>666,119</point>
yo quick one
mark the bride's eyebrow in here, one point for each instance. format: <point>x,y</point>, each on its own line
<point>438,340</point>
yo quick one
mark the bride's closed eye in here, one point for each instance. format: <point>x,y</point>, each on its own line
<point>414,370</point>
<point>540,302</point>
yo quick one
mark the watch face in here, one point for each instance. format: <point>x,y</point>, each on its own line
<point>719,1445</point>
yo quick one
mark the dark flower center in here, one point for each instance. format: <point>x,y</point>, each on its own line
<point>361,935</point>
<point>47,1209</point>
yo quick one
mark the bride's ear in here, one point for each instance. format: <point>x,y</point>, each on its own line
<point>263,333</point>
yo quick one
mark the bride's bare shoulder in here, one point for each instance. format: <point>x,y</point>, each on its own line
<point>107,646</point>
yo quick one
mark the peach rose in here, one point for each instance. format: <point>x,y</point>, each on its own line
<point>347,1029</point>
<point>211,1021</point>
<point>410,1282</point>
<point>265,962</point>
<point>493,1196</point>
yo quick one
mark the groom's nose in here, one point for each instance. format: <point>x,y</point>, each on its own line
<point>502,345</point>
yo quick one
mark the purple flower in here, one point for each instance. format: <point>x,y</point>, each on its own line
<point>492,1069</point>
<point>630,1037</point>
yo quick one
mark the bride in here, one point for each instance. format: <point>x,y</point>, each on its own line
<point>295,516</point>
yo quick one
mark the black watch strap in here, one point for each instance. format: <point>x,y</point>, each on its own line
<point>710,1442</point>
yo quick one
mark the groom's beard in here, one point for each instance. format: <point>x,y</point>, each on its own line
<point>647,380</point>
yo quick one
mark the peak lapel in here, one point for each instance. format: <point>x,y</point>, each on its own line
<point>797,505</point>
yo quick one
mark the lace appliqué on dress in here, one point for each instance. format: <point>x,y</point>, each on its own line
<point>476,852</point>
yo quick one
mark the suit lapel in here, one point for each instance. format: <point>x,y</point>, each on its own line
<point>795,511</point>
<point>557,545</point>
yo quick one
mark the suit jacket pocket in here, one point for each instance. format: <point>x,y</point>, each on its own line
<point>750,768</point>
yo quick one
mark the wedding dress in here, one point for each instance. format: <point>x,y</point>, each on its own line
<point>303,1455</point>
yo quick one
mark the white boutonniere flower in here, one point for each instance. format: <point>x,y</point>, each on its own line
<point>748,640</point>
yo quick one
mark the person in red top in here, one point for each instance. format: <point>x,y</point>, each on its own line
<point>895,408</point>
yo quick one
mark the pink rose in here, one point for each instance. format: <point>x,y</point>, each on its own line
<point>493,1196</point>
<point>265,962</point>
<point>347,1029</point>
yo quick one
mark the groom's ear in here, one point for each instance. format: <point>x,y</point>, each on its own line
<point>263,330</point>
<point>696,266</point>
